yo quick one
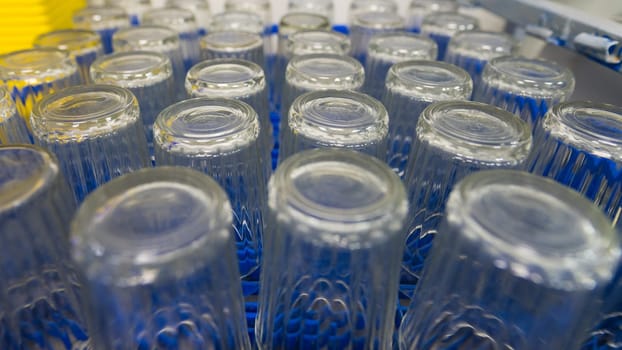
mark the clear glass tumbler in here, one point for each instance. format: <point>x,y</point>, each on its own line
<point>332,253</point>
<point>156,39</point>
<point>13,129</point>
<point>442,26</point>
<point>324,8</point>
<point>316,41</point>
<point>579,144</point>
<point>527,87</point>
<point>367,24</point>
<point>419,9</point>
<point>95,131</point>
<point>454,139</point>
<point>233,44</point>
<point>84,46</point>
<point>184,23</point>
<point>200,9</point>
<point>104,20</point>
<point>134,8</point>
<point>336,119</point>
<point>262,8</point>
<point>148,75</point>
<point>387,49</point>
<point>412,86</point>
<point>220,137</point>
<point>361,6</point>
<point>41,300</point>
<point>158,256</point>
<point>471,50</point>
<point>29,75</point>
<point>520,262</point>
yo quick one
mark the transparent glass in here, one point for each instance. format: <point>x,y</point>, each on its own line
<point>411,87</point>
<point>13,129</point>
<point>134,8</point>
<point>148,75</point>
<point>319,72</point>
<point>95,131</point>
<point>184,23</point>
<point>522,261</point>
<point>367,24</point>
<point>579,144</point>
<point>442,26</point>
<point>454,139</point>
<point>156,39</point>
<point>473,49</point>
<point>361,6</point>
<point>259,7</point>
<point>526,87</point>
<point>419,9</point>
<point>241,80</point>
<point>332,255</point>
<point>387,49</point>
<point>159,260</point>
<point>220,137</point>
<point>84,46</point>
<point>41,297</point>
<point>252,22</point>
<point>324,8</point>
<point>316,41</point>
<point>233,44</point>
<point>336,119</point>
<point>200,9</point>
<point>29,75</point>
<point>104,20</point>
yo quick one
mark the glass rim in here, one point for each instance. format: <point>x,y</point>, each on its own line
<point>377,5</point>
<point>251,79</point>
<point>72,40</point>
<point>420,48</point>
<point>145,36</point>
<point>297,21</point>
<point>508,141</point>
<point>351,223</point>
<point>517,75</point>
<point>47,173</point>
<point>179,19</point>
<point>556,259</point>
<point>53,63</point>
<point>299,77</point>
<point>104,70</point>
<point>97,14</point>
<point>235,126</point>
<point>246,21</point>
<point>448,23</point>
<point>589,126</point>
<point>433,5</point>
<point>117,253</point>
<point>231,41</point>
<point>378,20</point>
<point>306,118</point>
<point>479,43</point>
<point>305,41</point>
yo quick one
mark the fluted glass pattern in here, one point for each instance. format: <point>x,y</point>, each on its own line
<point>148,75</point>
<point>184,23</point>
<point>29,75</point>
<point>331,259</point>
<point>155,39</point>
<point>233,44</point>
<point>387,49</point>
<point>368,24</point>
<point>454,139</point>
<point>41,299</point>
<point>220,137</point>
<point>13,129</point>
<point>336,119</point>
<point>104,20</point>
<point>526,87</point>
<point>520,262</point>
<point>158,256</point>
<point>442,26</point>
<point>419,9</point>
<point>84,46</point>
<point>95,131</point>
<point>579,144</point>
<point>412,86</point>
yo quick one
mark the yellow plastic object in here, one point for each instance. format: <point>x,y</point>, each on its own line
<point>21,21</point>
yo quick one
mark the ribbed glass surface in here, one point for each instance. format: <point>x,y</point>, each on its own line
<point>412,86</point>
<point>367,24</point>
<point>220,137</point>
<point>387,49</point>
<point>519,263</point>
<point>41,299</point>
<point>155,39</point>
<point>331,258</point>
<point>233,44</point>
<point>13,129</point>
<point>29,75</point>
<point>105,20</point>
<point>156,249</point>
<point>454,139</point>
<point>526,87</point>
<point>442,26</point>
<point>336,119</point>
<point>95,131</point>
